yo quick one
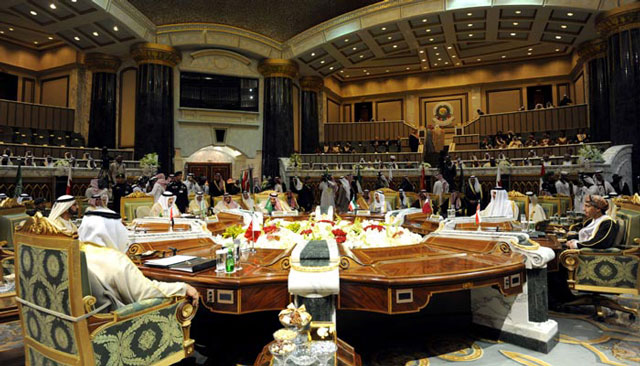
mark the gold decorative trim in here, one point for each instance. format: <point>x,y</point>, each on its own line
<point>100,62</point>
<point>276,67</point>
<point>40,225</point>
<point>618,20</point>
<point>589,50</point>
<point>225,53</point>
<point>311,83</point>
<point>89,303</point>
<point>516,194</point>
<point>221,28</point>
<point>635,200</point>
<point>10,203</point>
<point>154,53</point>
<point>315,269</point>
<point>137,194</point>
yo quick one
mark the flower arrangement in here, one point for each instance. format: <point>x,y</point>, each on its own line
<point>295,160</point>
<point>61,163</point>
<point>149,164</point>
<point>591,154</point>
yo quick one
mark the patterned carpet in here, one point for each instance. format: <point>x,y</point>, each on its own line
<point>583,341</point>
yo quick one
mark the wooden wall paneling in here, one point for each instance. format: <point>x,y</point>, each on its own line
<point>20,115</point>
<point>11,114</point>
<point>347,113</point>
<point>28,116</point>
<point>42,118</point>
<point>4,113</point>
<point>28,90</point>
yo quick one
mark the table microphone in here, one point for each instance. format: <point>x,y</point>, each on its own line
<point>173,250</point>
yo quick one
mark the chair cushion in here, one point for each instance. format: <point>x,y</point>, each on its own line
<point>620,240</point>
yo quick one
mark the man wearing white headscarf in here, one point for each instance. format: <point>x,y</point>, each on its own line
<point>563,186</point>
<point>96,201</point>
<point>227,203</point>
<point>114,277</point>
<point>24,197</point>
<point>536,212</point>
<point>500,205</point>
<point>165,206</point>
<point>3,197</point>
<point>404,201</point>
<point>379,204</point>
<point>441,185</point>
<point>602,187</point>
<point>247,201</point>
<point>61,212</point>
<point>327,188</point>
<point>273,203</point>
<point>473,194</point>
<point>159,187</point>
<point>198,205</point>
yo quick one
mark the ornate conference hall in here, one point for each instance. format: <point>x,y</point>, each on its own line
<point>339,183</point>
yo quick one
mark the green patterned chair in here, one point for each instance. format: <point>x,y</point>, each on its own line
<point>130,203</point>
<point>521,200</point>
<point>608,271</point>
<point>62,326</point>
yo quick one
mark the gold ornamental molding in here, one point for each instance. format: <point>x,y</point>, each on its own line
<point>155,53</point>
<point>276,67</point>
<point>100,62</point>
<point>592,49</point>
<point>619,19</point>
<point>311,83</point>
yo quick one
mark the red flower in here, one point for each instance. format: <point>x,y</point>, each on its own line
<point>306,232</point>
<point>341,239</point>
<point>374,227</point>
<point>327,222</point>
<point>338,232</point>
<point>270,229</point>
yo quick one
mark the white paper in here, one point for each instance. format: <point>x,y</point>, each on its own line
<point>166,262</point>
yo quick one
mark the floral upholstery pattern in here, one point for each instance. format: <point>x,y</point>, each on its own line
<point>37,358</point>
<point>142,340</point>
<point>595,269</point>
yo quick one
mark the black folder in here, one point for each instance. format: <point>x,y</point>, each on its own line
<point>194,265</point>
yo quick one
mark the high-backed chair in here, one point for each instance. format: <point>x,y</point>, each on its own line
<point>236,197</point>
<point>8,305</point>
<point>521,200</point>
<point>608,271</point>
<point>60,323</point>
<point>130,203</point>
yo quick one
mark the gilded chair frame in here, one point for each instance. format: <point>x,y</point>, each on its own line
<point>8,305</point>
<point>516,196</point>
<point>135,197</point>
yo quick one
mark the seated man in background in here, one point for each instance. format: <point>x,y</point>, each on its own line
<point>291,201</point>
<point>165,206</point>
<point>198,205</point>
<point>113,276</point>
<point>96,201</point>
<point>273,203</point>
<point>599,230</point>
<point>379,204</point>
<point>536,212</point>
<point>62,211</point>
<point>247,201</point>
<point>500,205</point>
<point>227,203</point>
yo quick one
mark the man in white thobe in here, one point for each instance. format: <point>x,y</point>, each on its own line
<point>62,211</point>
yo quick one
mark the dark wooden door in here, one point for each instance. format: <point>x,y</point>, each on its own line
<point>209,170</point>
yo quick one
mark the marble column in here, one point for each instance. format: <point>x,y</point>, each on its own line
<point>102,115</point>
<point>620,28</point>
<point>310,141</point>
<point>592,54</point>
<point>154,102</point>
<point>277,126</point>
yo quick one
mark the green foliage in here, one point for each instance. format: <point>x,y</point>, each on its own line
<point>233,231</point>
<point>591,153</point>
<point>149,161</point>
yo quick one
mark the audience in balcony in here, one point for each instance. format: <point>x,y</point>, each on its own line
<point>414,140</point>
<point>546,140</point>
<point>582,136</point>
<point>531,141</point>
<point>5,160</point>
<point>565,101</point>
<point>28,159</point>
<point>516,142</point>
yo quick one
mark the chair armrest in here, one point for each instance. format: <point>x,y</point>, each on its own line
<point>140,306</point>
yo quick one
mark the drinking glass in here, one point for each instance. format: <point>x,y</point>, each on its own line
<point>323,351</point>
<point>281,352</point>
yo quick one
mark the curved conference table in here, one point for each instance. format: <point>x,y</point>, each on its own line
<point>391,280</point>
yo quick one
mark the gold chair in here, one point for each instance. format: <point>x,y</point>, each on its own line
<point>608,271</point>
<point>521,200</point>
<point>130,204</point>
<point>61,325</point>
<point>8,306</point>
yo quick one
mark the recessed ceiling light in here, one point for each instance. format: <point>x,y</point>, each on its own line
<point>512,34</point>
<point>564,26</point>
<point>446,62</point>
<point>346,39</point>
<point>386,70</point>
<point>457,63</point>
<point>331,68</point>
<point>361,56</point>
<point>53,6</point>
<point>115,28</point>
<point>313,54</point>
<point>383,28</point>
<point>515,23</point>
<point>428,30</point>
<point>430,39</point>
<point>389,37</point>
<point>74,1</point>
<point>478,59</point>
<point>342,71</point>
<point>50,38</point>
<point>425,67</point>
<point>558,37</point>
<point>529,53</point>
<point>569,14</point>
<point>424,20</point>
<point>437,53</point>
<point>470,25</point>
<point>435,47</point>
<point>346,76</point>
<point>76,38</point>
<point>395,46</point>
<point>503,56</point>
<point>408,68</point>
<point>518,11</point>
<point>322,61</point>
<point>95,34</point>
<point>449,47</point>
<point>251,97</point>
<point>33,12</point>
<point>424,60</point>
<point>557,50</point>
<point>435,64</point>
<point>354,48</point>
<point>10,29</point>
<point>530,49</point>
<point>470,34</point>
<point>368,73</point>
<point>469,14</point>
<point>1,32</point>
<point>35,42</point>
<point>453,56</point>
<point>421,51</point>
<point>364,70</point>
<point>439,59</point>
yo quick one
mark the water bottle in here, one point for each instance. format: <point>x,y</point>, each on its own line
<point>231,263</point>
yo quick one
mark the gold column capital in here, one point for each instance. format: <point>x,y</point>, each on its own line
<point>276,67</point>
<point>589,50</point>
<point>312,83</point>
<point>154,53</point>
<point>100,62</point>
<point>619,19</point>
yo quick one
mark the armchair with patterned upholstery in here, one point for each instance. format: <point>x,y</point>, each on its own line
<point>61,324</point>
<point>129,205</point>
<point>608,271</point>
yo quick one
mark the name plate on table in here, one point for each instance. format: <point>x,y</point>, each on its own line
<point>211,219</point>
<point>363,213</point>
<point>284,213</point>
